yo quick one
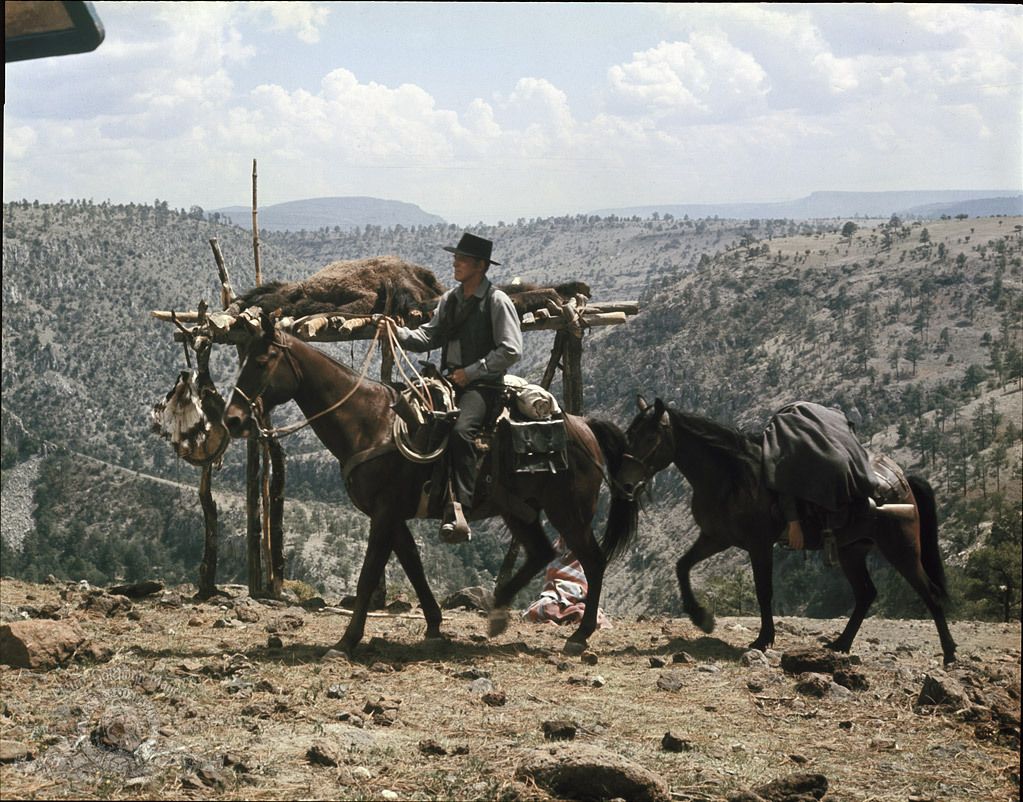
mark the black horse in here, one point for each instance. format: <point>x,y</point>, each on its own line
<point>354,419</point>
<point>733,507</point>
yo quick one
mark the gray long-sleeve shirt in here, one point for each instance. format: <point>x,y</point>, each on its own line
<point>507,333</point>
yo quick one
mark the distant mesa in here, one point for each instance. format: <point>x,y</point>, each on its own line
<point>316,213</point>
<point>825,205</point>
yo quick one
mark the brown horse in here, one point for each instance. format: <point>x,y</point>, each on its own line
<point>385,486</point>
<point>733,507</point>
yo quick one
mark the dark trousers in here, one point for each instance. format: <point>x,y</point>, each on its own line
<point>474,404</point>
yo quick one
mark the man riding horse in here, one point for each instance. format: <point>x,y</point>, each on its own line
<point>477,328</point>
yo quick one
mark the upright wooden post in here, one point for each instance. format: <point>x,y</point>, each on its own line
<point>255,229</point>
<point>253,525</point>
<point>276,516</point>
<point>208,566</point>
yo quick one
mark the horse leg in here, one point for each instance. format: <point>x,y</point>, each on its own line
<point>853,559</point>
<point>762,559</point>
<point>703,548</point>
<point>408,555</point>
<point>538,554</point>
<point>592,559</point>
<point>900,546</point>
<point>378,550</point>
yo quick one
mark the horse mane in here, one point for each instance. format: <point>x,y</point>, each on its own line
<point>739,452</point>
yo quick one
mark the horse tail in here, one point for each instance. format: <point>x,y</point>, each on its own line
<point>930,551</point>
<point>623,514</point>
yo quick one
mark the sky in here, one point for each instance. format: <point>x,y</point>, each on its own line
<point>500,111</point>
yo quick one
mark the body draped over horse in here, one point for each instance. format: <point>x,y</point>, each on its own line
<point>354,416</point>
<point>733,506</point>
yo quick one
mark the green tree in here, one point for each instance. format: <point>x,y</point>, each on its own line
<point>992,574</point>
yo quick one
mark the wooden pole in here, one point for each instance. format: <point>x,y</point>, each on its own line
<point>252,519</point>
<point>208,566</point>
<point>265,543</point>
<point>226,291</point>
<point>276,517</point>
<point>255,229</point>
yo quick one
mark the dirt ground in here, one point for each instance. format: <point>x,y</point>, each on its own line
<point>197,700</point>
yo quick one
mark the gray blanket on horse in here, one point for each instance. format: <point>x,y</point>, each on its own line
<point>811,452</point>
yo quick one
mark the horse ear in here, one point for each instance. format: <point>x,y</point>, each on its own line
<point>641,403</point>
<point>660,411</point>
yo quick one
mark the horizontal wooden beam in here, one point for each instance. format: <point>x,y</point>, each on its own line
<point>326,327</point>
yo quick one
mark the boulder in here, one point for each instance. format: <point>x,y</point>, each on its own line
<point>584,772</point>
<point>40,643</point>
<point>474,598</point>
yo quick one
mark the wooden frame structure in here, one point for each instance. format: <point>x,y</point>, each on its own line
<point>265,467</point>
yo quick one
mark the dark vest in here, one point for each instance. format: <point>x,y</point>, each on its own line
<point>472,327</point>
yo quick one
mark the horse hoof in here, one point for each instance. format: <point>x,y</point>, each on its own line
<point>341,648</point>
<point>704,619</point>
<point>573,648</point>
<point>498,621</point>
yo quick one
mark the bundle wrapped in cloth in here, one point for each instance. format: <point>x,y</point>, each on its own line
<point>532,401</point>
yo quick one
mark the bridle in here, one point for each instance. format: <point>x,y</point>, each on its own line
<point>665,436</point>
<point>254,410</point>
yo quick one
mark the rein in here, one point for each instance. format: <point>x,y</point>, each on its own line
<point>648,472</point>
<point>284,431</point>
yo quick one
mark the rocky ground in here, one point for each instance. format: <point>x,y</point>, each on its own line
<point>233,698</point>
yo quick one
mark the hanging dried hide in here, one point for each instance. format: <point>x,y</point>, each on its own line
<point>191,417</point>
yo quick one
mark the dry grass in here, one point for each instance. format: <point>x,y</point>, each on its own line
<point>205,693</point>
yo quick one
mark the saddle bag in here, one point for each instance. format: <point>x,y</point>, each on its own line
<point>534,446</point>
<point>890,482</point>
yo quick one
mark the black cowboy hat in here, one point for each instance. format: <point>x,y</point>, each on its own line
<point>476,247</point>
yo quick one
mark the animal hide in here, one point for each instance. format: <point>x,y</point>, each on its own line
<point>190,418</point>
<point>377,285</point>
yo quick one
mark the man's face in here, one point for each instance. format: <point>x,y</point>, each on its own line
<point>466,267</point>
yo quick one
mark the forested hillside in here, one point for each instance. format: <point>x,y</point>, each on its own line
<point>914,328</point>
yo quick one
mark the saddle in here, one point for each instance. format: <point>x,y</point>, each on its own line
<point>524,434</point>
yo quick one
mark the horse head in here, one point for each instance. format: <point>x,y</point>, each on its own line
<point>267,377</point>
<point>650,446</point>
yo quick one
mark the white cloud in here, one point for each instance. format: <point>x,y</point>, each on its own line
<point>305,19</point>
<point>703,78</point>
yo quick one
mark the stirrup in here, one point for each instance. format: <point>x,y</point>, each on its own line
<point>457,530</point>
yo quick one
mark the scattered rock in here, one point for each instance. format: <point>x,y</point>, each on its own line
<point>398,606</point>
<point>755,658</point>
<point>812,660</point>
<point>473,598</point>
<point>852,679</point>
<point>285,622</point>
<point>337,691</point>
<point>12,751</point>
<point>682,657</point>
<point>584,772</point>
<point>323,753</point>
<point>560,730</point>
<point>101,603</point>
<point>794,788</point>
<point>658,662</point>
<point>494,698</point>
<point>40,643</point>
<point>481,685</point>
<point>382,668</point>
<point>674,743</point>
<point>275,642</point>
<point>670,681</point>
<point>941,689</point>
<point>247,613</point>
<point>431,747</point>
<point>136,590</point>
<point>813,684</point>
<point>589,658</point>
